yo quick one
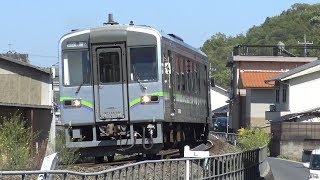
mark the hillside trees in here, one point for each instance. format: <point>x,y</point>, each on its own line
<point>289,27</point>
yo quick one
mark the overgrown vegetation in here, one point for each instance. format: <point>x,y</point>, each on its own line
<point>16,150</point>
<point>253,138</point>
<point>15,145</point>
<point>66,155</point>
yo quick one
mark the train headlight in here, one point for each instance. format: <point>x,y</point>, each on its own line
<point>76,102</point>
<point>145,99</point>
<point>149,99</point>
<point>73,102</point>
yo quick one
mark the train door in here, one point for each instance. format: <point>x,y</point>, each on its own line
<point>110,83</point>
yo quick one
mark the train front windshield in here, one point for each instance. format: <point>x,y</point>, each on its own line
<point>143,64</point>
<point>76,68</point>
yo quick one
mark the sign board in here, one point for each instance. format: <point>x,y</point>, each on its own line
<point>199,154</point>
<point>193,154</point>
<point>48,163</point>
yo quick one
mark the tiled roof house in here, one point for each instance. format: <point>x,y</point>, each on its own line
<point>251,97</point>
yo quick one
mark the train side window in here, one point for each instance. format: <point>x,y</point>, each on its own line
<point>199,79</point>
<point>183,77</point>
<point>76,68</point>
<point>187,75</point>
<point>190,79</point>
<point>195,78</point>
<point>205,80</point>
<point>177,69</point>
<point>109,67</point>
<point>143,64</point>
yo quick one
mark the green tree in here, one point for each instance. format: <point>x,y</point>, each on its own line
<point>218,48</point>
<point>288,27</point>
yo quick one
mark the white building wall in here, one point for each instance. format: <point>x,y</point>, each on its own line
<point>304,92</point>
<point>46,94</point>
<point>218,97</point>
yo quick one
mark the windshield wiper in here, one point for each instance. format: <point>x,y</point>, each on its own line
<point>79,87</point>
<point>138,79</point>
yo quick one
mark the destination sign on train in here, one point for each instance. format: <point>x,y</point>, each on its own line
<point>77,44</point>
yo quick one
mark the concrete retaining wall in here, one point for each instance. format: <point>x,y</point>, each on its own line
<point>296,150</point>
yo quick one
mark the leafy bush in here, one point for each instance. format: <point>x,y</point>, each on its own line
<point>66,155</point>
<point>14,143</point>
<point>253,138</point>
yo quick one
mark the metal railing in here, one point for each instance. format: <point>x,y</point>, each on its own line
<point>276,50</point>
<point>244,165</point>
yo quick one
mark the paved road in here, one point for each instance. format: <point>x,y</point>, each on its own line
<point>287,170</point>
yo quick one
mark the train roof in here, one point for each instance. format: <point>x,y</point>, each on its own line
<point>179,41</point>
<point>171,37</point>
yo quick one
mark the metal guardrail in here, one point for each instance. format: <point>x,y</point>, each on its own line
<point>244,165</point>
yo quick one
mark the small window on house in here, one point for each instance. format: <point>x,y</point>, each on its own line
<point>284,93</point>
<point>277,95</point>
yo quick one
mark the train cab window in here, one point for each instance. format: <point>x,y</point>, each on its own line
<point>143,64</point>
<point>109,67</point>
<point>76,68</point>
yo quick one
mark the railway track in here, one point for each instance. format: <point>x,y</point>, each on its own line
<point>164,154</point>
<point>113,163</point>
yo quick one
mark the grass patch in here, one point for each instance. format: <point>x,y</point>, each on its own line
<point>66,155</point>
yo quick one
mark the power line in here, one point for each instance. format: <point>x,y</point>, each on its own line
<point>42,64</point>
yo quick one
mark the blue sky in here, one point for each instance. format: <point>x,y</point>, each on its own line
<point>35,26</point>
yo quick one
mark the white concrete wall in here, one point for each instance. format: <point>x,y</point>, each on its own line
<point>46,91</point>
<point>24,85</point>
<point>304,92</point>
<point>219,97</point>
